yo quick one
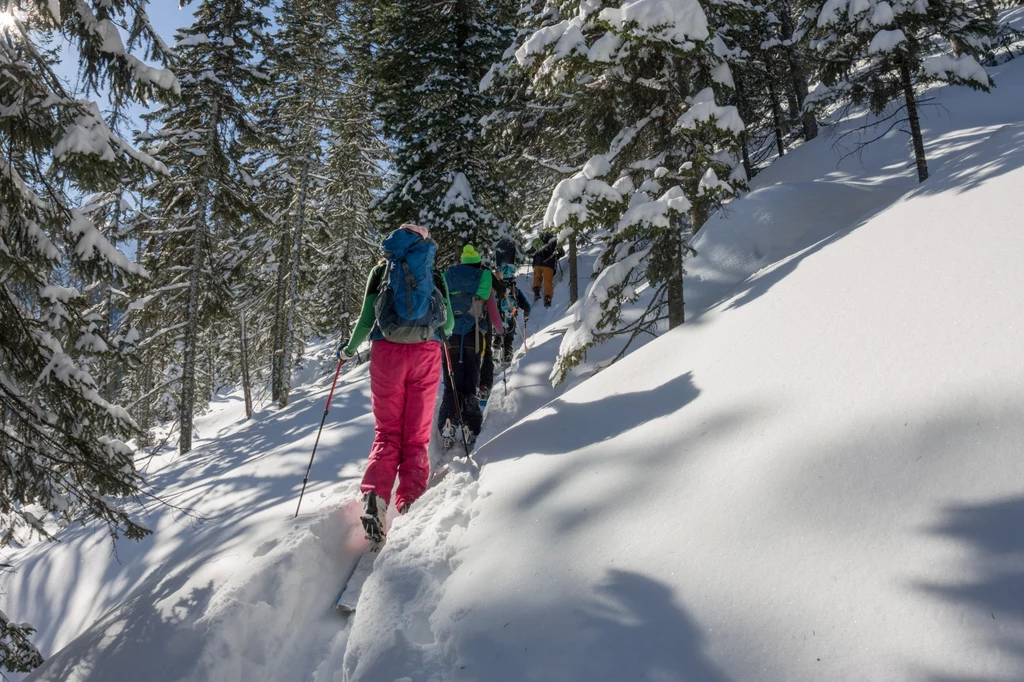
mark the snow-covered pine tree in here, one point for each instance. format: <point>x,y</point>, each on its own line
<point>430,58</point>
<point>752,41</point>
<point>202,206</point>
<point>881,54</point>
<point>796,59</point>
<point>545,126</point>
<point>672,155</point>
<point>62,442</point>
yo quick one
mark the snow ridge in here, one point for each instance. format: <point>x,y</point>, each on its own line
<point>395,631</point>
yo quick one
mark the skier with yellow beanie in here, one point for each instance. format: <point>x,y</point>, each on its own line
<point>471,288</point>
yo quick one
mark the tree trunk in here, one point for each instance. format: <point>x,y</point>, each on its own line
<point>676,304</point>
<point>277,333</point>
<point>244,358</point>
<point>796,71</point>
<point>111,366</point>
<point>293,288</point>
<point>744,136</point>
<point>915,123</point>
<point>777,120</point>
<point>144,414</point>
<point>188,368</point>
<point>699,215</point>
<point>574,282</point>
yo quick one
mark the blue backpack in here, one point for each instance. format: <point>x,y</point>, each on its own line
<point>468,308</point>
<point>409,307</point>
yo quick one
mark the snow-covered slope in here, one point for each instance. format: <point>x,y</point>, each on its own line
<point>229,586</point>
<point>816,478</point>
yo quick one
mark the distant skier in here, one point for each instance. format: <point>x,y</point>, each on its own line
<point>407,313</point>
<point>487,357</point>
<point>506,252</point>
<point>510,304</point>
<point>472,302</point>
<point>546,253</point>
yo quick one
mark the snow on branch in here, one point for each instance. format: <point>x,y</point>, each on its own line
<point>670,21</point>
<point>703,109</point>
<point>965,68</point>
<point>91,243</point>
<point>587,318</point>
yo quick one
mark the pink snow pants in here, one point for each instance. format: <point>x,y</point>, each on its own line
<point>403,389</point>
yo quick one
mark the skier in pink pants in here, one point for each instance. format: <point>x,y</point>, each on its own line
<point>407,314</point>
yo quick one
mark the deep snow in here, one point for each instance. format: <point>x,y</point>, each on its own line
<point>816,478</point>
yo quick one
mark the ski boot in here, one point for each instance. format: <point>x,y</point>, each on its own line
<point>536,294</point>
<point>547,301</point>
<point>374,518</point>
<point>447,436</point>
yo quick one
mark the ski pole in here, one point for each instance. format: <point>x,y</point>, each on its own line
<point>319,431</point>
<point>526,346</point>
<point>455,396</point>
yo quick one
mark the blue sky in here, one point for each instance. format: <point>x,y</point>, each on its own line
<point>167,17</point>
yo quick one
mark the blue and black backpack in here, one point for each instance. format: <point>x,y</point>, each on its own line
<point>468,308</point>
<point>409,306</point>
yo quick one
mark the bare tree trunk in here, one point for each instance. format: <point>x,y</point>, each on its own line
<point>277,333</point>
<point>574,282</point>
<point>144,413</point>
<point>188,368</point>
<point>293,288</point>
<point>777,122</point>
<point>915,123</point>
<point>744,136</point>
<point>186,405</point>
<point>676,304</point>
<point>244,358</point>
<point>796,71</point>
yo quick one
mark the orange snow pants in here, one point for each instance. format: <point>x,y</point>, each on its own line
<point>546,275</point>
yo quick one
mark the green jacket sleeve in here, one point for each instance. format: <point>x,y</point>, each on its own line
<point>449,322</point>
<point>484,291</point>
<point>367,316</point>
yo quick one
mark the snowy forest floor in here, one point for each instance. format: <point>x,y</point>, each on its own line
<point>817,478</point>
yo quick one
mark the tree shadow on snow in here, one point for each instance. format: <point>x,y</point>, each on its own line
<point>632,628</point>
<point>994,594</point>
<point>1002,152</point>
<point>959,164</point>
<point>563,426</point>
<point>137,640</point>
<point>225,484</point>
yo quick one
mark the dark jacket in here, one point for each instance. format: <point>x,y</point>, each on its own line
<point>548,254</point>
